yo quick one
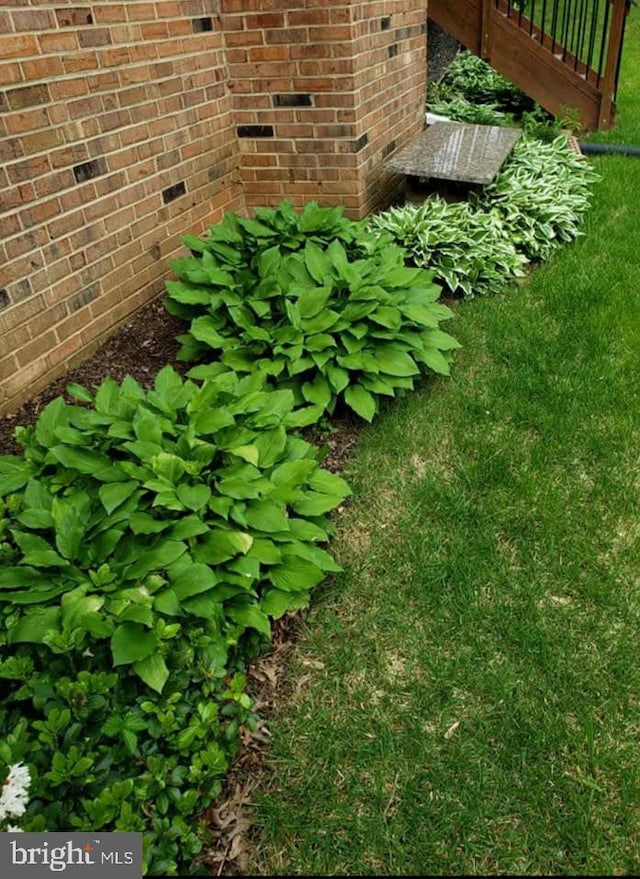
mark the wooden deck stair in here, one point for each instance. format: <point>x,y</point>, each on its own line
<point>565,54</point>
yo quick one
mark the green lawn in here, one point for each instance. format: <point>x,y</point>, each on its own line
<point>466,696</point>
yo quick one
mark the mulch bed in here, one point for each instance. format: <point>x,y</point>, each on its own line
<point>140,348</point>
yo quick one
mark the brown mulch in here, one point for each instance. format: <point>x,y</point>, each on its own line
<point>140,348</point>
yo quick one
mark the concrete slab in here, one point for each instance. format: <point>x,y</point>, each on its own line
<point>456,151</point>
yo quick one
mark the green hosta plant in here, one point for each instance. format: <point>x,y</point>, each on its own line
<point>327,326</point>
<point>148,510</point>
<point>459,109</point>
<point>541,193</point>
<point>237,243</point>
<point>472,79</point>
<point>468,249</point>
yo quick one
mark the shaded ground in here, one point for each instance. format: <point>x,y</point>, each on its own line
<point>441,50</point>
<point>140,348</point>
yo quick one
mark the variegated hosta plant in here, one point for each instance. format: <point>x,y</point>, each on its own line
<point>327,326</point>
<point>141,512</point>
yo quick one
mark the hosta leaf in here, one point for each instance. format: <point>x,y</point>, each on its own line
<point>250,616</point>
<point>361,401</point>
<point>265,551</point>
<point>55,414</point>
<point>169,466</point>
<point>85,461</point>
<point>153,671</point>
<point>37,495</point>
<point>276,603</point>
<point>325,320</point>
<point>132,642</point>
<point>75,606</point>
<point>143,523</point>
<point>338,258</point>
<point>71,517</point>
<point>268,262</point>
<point>208,605</point>
<point>189,526</point>
<point>137,613</point>
<point>319,342</point>
<point>295,574</point>
<point>112,494</point>
<point>435,360</point>
<point>316,261</point>
<point>248,453</point>
<point>19,577</point>
<point>267,516</point>
<point>394,361</point>
<point>329,483</point>
<point>319,557</point>
<point>157,558</point>
<point>220,546</point>
<point>443,341</point>
<point>167,602</point>
<point>387,316</point>
<point>209,421</point>
<point>270,445</point>
<point>204,330</point>
<point>318,392</point>
<point>338,378</point>
<point>193,579</point>
<point>304,417</point>
<point>313,301</point>
<point>79,392</point>
<point>420,314</point>
<point>36,519</point>
<point>33,626</point>
<point>316,503</point>
<point>188,294</point>
<point>293,473</point>
<point>301,529</point>
<point>194,497</point>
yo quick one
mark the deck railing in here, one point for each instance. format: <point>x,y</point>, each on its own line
<point>568,51</point>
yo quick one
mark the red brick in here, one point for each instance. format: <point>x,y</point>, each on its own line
<point>18,45</point>
<point>54,43</point>
<point>76,16</point>
<point>26,121</point>
<point>42,68</point>
<point>10,73</point>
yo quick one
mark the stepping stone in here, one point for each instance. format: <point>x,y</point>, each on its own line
<point>456,151</point>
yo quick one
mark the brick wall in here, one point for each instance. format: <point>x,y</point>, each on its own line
<point>323,93</point>
<point>125,124</point>
<point>116,136</point>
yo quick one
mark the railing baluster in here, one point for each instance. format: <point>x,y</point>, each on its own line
<point>583,30</point>
<point>544,19</point>
<point>532,16</point>
<point>564,31</point>
<point>595,9</point>
<point>603,43</point>
<point>554,25</point>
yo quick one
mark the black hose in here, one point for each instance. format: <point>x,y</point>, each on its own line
<point>595,149</point>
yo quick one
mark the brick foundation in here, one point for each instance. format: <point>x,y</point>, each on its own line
<point>124,125</point>
<point>323,92</point>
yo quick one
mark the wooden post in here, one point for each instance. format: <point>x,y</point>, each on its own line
<point>485,29</point>
<point>614,49</point>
